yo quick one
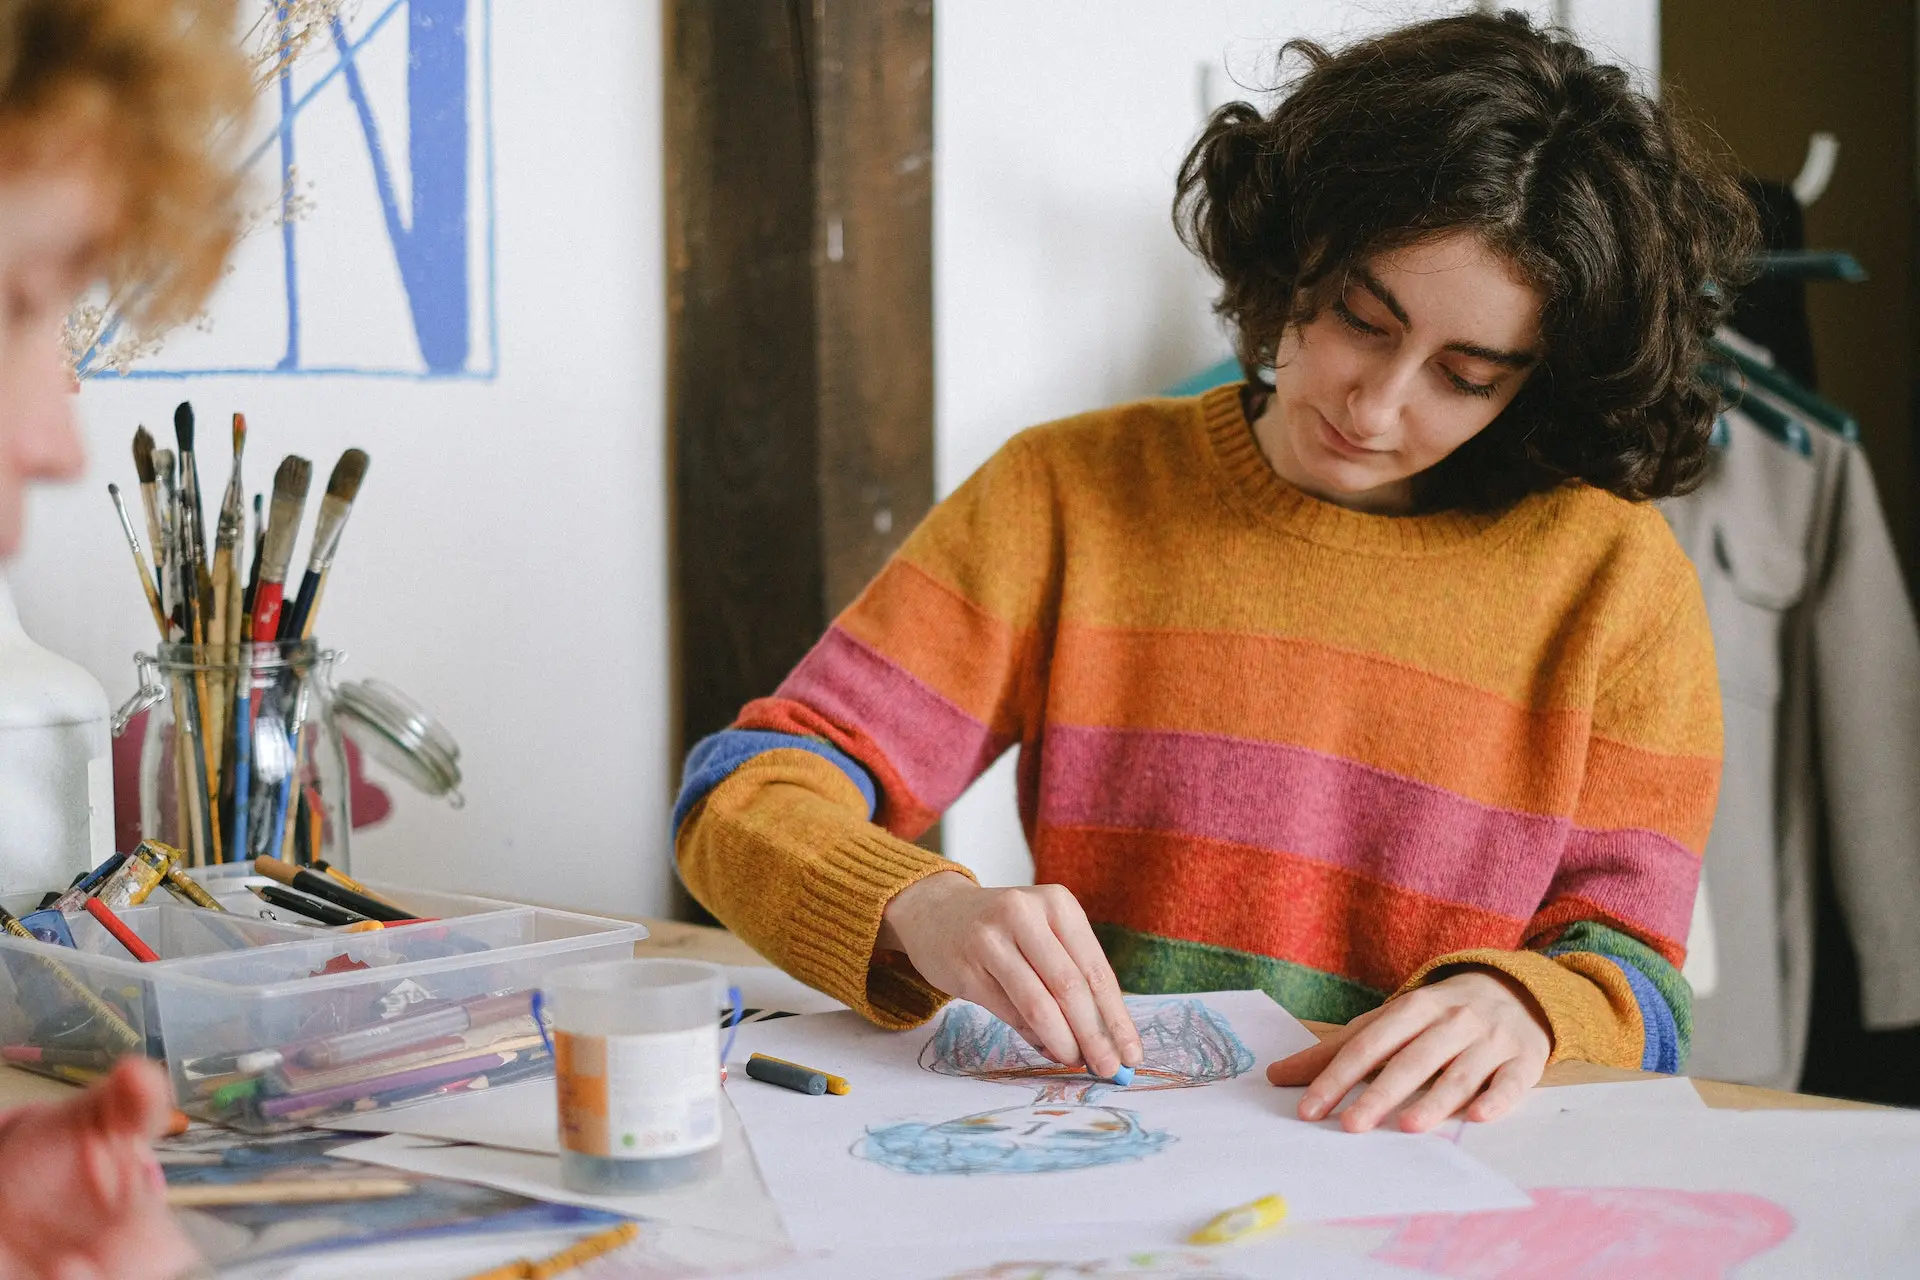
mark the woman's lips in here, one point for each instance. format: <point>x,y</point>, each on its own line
<point>1337,443</point>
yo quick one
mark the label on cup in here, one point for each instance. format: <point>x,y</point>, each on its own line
<point>638,1097</point>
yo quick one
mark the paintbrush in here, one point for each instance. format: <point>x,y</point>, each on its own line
<point>196,589</point>
<point>139,560</point>
<point>342,488</point>
<point>195,545</point>
<point>226,540</point>
<point>253,573</point>
<point>168,550</point>
<point>224,635</point>
<point>290,484</point>
<point>149,491</point>
<point>189,760</point>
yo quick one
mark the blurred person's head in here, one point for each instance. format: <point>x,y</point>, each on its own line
<point>117,119</point>
<point>1478,263</point>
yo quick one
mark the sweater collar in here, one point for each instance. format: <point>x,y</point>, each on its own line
<point>1253,481</point>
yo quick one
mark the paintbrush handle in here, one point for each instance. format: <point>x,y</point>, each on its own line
<point>207,1195</point>
<point>266,611</point>
<point>293,622</point>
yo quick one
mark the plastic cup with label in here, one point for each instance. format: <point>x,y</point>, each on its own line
<point>636,1051</point>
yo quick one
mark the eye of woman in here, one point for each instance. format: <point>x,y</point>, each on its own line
<point>1482,390</point>
<point>1352,320</point>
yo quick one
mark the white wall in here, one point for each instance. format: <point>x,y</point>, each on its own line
<point>1059,284</point>
<point>506,562</point>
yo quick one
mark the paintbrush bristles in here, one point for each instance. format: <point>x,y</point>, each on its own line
<point>183,426</point>
<point>233,507</point>
<point>290,484</point>
<point>334,508</point>
<point>143,455</point>
<point>347,475</point>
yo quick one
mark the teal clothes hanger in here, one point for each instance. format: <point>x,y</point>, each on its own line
<point>1822,411</point>
<point>1810,264</point>
<point>1212,376</point>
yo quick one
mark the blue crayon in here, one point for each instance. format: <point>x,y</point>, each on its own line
<point>1123,1077</point>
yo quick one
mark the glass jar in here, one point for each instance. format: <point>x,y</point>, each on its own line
<point>242,753</point>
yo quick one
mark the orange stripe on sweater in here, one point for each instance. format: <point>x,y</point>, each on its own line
<point>946,640</point>
<point>1268,903</point>
<point>1630,787</point>
<point>1266,688</point>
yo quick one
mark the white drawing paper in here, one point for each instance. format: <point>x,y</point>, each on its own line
<point>733,1202</point>
<point>517,1117</point>
<point>1642,1195</point>
<point>661,1251</point>
<point>1109,1257</point>
<point>962,1122</point>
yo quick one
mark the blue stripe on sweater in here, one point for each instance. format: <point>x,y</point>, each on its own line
<point>715,757</point>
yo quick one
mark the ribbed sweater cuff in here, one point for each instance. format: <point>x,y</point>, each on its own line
<point>837,924</point>
<point>1579,1019</point>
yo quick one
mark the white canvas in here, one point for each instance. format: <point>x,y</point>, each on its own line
<point>923,1142</point>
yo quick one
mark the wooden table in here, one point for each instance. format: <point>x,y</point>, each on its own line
<point>717,946</point>
<point>699,942</point>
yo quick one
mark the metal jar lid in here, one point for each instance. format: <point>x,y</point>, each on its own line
<point>400,734</point>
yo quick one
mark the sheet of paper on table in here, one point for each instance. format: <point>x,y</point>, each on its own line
<point>524,1117</point>
<point>734,1203</point>
<point>962,1122</point>
<point>1110,1256</point>
<point>661,1251</point>
<point>1708,1192</point>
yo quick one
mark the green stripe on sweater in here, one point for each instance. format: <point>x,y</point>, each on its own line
<point>1148,964</point>
<point>1586,935</point>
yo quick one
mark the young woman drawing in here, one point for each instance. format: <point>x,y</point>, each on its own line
<point>108,172</point>
<point>1379,685</point>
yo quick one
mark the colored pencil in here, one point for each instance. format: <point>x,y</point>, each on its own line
<point>333,891</point>
<point>126,937</point>
<point>302,904</point>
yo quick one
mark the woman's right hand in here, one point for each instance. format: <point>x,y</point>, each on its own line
<point>1026,954</point>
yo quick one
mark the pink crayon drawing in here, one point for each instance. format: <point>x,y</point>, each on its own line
<point>1593,1233</point>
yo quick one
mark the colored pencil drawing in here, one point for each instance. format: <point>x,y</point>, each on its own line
<point>1065,1126</point>
<point>1594,1233</point>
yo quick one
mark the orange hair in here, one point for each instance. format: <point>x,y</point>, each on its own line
<point>157,90</point>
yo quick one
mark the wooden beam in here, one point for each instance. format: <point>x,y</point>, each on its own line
<point>799,192</point>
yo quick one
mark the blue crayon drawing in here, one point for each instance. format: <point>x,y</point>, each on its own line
<point>391,273</point>
<point>1067,1125</point>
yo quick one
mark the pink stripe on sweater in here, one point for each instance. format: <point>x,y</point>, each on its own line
<point>1642,877</point>
<point>936,748</point>
<point>1361,819</point>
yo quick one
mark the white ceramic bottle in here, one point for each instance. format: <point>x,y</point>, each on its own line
<point>56,764</point>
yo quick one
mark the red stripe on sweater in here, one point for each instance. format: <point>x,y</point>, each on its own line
<point>1390,829</point>
<point>1256,900</point>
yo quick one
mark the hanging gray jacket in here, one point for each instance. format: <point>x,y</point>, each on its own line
<point>1820,679</point>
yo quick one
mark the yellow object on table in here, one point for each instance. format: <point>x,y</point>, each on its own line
<point>567,1259</point>
<point>1258,1215</point>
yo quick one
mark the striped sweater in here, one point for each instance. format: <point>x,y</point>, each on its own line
<point>1266,741</point>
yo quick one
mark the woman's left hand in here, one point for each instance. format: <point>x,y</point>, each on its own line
<point>1477,1031</point>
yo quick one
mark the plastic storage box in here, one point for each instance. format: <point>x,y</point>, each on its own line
<point>268,1026</point>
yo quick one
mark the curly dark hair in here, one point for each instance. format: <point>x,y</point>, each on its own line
<point>1634,232</point>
